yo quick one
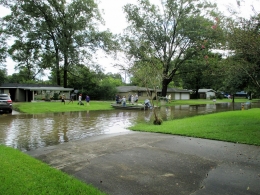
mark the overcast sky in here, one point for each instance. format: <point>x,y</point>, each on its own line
<point>115,21</point>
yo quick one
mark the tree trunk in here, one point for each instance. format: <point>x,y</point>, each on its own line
<point>164,87</point>
<point>65,75</point>
<point>58,80</point>
<point>197,94</point>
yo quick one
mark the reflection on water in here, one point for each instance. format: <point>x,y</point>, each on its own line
<point>28,132</point>
<point>181,111</point>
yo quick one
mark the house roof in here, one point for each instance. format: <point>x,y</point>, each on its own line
<point>241,93</point>
<point>175,90</point>
<point>34,87</point>
<point>205,90</point>
<point>125,89</point>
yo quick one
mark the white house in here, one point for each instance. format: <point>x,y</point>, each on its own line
<point>206,93</point>
<point>31,92</point>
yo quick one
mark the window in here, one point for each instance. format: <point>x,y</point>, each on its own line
<point>140,93</point>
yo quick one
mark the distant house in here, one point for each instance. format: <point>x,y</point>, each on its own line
<point>176,94</point>
<point>132,90</point>
<point>241,94</point>
<point>31,92</point>
<point>206,93</point>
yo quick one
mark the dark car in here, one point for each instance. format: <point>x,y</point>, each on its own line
<point>5,103</point>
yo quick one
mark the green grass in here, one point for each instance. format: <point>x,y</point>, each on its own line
<point>207,101</point>
<point>50,107</point>
<point>22,174</point>
<point>233,126</point>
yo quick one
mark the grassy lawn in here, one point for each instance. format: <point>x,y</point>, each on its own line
<point>50,107</point>
<point>233,126</point>
<point>22,174</point>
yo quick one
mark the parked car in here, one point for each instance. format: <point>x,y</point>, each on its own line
<point>5,103</point>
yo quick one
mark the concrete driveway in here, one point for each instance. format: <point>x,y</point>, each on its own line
<point>149,163</point>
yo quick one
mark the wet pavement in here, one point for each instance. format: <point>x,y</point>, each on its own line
<point>133,163</point>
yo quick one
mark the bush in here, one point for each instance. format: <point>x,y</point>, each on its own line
<point>56,96</point>
<point>219,96</point>
<point>212,97</point>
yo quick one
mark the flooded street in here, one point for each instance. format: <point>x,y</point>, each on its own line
<point>28,132</point>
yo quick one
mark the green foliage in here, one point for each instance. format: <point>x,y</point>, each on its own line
<point>171,35</point>
<point>235,80</point>
<point>64,35</point>
<point>55,96</point>
<point>22,77</point>
<point>202,71</point>
<point>244,40</point>
<point>26,54</point>
<point>96,84</point>
<point>108,88</point>
<point>3,49</point>
<point>3,77</point>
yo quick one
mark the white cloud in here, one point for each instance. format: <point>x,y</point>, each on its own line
<point>244,7</point>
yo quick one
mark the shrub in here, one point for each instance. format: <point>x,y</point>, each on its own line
<point>56,96</point>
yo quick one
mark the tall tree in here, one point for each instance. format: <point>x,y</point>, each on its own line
<point>172,33</point>
<point>3,47</point>
<point>27,57</point>
<point>203,71</point>
<point>148,77</point>
<point>244,41</point>
<point>3,76</point>
<point>65,30</point>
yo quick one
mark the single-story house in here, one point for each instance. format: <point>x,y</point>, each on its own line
<point>142,92</point>
<point>176,94</point>
<point>241,94</point>
<point>206,93</point>
<point>32,92</point>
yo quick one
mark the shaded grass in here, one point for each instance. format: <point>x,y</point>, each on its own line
<point>233,126</point>
<point>22,174</point>
<point>51,107</point>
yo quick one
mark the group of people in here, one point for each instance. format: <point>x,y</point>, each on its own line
<point>72,98</point>
<point>87,100</point>
<point>131,99</point>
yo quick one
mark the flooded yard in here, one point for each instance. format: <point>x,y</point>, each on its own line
<point>28,132</point>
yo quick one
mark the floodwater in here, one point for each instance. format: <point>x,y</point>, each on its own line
<point>28,132</point>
